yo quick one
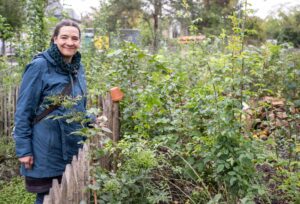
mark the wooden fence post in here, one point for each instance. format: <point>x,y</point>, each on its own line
<point>5,114</point>
<point>1,115</point>
<point>105,161</point>
<point>115,131</point>
<point>9,112</point>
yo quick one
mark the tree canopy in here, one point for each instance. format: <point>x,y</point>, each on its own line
<point>13,11</point>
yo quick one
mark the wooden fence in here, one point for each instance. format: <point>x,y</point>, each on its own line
<point>72,189</point>
<point>8,100</point>
<point>74,185</point>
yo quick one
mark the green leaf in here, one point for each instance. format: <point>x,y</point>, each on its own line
<point>215,199</point>
<point>232,181</point>
<point>220,168</point>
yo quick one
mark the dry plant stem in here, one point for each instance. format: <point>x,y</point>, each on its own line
<point>166,179</point>
<point>213,84</point>
<point>200,179</point>
<point>210,72</point>
<point>214,87</point>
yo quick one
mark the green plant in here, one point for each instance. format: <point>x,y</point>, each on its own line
<point>14,192</point>
<point>183,122</point>
<point>134,182</point>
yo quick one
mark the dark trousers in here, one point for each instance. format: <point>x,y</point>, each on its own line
<point>40,198</point>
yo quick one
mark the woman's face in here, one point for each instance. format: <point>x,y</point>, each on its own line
<point>68,41</point>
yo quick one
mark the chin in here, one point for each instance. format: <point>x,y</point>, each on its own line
<point>68,54</point>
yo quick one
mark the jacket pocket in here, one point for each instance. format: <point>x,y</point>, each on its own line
<point>46,142</point>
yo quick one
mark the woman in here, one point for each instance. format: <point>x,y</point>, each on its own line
<point>45,146</point>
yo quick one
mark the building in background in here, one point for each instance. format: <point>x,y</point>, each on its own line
<point>56,9</point>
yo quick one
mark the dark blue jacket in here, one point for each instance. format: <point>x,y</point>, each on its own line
<point>50,141</point>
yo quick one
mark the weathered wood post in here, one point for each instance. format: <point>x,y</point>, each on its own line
<point>116,95</point>
<point>105,161</point>
<point>111,112</point>
<point>1,115</point>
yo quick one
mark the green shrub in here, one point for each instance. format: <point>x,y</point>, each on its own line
<point>14,192</point>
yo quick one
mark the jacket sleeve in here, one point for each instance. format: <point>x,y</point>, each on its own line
<point>28,100</point>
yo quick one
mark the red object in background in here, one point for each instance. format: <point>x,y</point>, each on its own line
<point>116,94</point>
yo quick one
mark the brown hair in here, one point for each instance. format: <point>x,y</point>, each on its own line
<point>61,24</point>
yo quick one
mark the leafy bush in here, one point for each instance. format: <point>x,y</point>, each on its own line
<point>9,166</point>
<point>184,109</point>
<point>14,192</point>
<point>135,181</point>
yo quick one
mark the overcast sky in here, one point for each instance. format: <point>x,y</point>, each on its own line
<point>267,7</point>
<point>262,7</point>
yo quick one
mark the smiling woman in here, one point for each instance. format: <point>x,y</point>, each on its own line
<point>45,146</point>
<point>68,41</point>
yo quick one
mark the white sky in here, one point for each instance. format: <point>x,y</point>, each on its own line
<point>80,6</point>
<point>262,7</point>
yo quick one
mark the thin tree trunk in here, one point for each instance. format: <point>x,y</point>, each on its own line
<point>3,47</point>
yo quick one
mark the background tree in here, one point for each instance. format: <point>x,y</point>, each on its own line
<point>214,15</point>
<point>255,30</point>
<point>11,19</point>
<point>285,28</point>
<point>290,27</point>
<point>35,20</point>
<point>5,32</point>
<point>36,32</point>
<point>13,11</point>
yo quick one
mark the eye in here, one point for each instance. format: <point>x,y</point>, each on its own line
<point>75,38</point>
<point>64,37</point>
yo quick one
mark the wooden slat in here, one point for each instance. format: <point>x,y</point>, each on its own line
<point>75,179</point>
<point>9,112</point>
<point>1,114</point>
<point>64,189</point>
<point>47,199</point>
<point>70,181</point>
<point>5,113</point>
<point>86,170</point>
<point>56,192</point>
<point>8,100</point>
<point>80,175</point>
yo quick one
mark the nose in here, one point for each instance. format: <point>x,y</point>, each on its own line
<point>69,41</point>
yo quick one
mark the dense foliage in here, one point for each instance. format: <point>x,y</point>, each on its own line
<point>14,192</point>
<point>184,134</point>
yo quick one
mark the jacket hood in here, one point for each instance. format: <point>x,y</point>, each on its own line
<point>46,55</point>
<point>49,59</point>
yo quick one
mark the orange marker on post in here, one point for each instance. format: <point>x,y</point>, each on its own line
<point>116,94</point>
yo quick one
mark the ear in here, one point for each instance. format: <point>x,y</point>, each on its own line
<point>54,40</point>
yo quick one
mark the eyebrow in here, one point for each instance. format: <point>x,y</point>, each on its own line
<point>68,36</point>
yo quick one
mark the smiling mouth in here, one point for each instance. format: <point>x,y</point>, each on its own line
<point>69,48</point>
